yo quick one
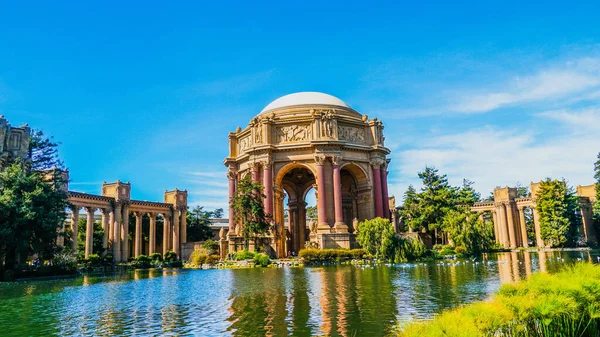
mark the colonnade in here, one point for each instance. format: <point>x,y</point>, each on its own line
<point>116,207</point>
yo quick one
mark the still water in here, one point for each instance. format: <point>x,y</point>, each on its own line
<point>326,301</point>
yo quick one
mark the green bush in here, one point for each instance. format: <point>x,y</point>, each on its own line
<point>170,256</point>
<point>244,255</point>
<point>562,304</point>
<point>460,250</point>
<point>142,261</point>
<point>211,245</point>
<point>213,259</point>
<point>330,255</point>
<point>409,249</point>
<point>261,259</point>
<point>95,260</point>
<point>198,257</point>
<point>156,257</point>
<point>65,260</point>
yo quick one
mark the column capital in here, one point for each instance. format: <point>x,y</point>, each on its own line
<point>105,210</point>
<point>90,209</point>
<point>75,208</point>
<point>231,175</point>
<point>377,163</point>
<point>138,214</point>
<point>336,160</point>
<point>151,215</point>
<point>254,166</point>
<point>320,159</point>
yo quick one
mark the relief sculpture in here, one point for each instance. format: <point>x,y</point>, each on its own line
<point>244,143</point>
<point>294,133</point>
<point>351,134</point>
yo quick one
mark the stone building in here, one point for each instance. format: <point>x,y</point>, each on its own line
<point>14,141</point>
<point>305,140</point>
<point>508,214</point>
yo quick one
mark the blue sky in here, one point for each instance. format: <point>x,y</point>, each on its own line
<point>498,92</point>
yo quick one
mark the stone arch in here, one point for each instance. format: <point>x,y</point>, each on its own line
<point>355,186</point>
<point>359,173</point>
<point>280,173</point>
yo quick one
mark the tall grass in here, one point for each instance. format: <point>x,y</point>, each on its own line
<point>563,304</point>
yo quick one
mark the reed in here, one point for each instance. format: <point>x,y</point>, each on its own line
<point>562,304</point>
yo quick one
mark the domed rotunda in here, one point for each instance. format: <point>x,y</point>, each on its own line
<point>310,140</point>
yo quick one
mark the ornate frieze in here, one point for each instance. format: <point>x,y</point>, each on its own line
<point>245,143</point>
<point>351,134</point>
<point>294,133</point>
<point>328,124</point>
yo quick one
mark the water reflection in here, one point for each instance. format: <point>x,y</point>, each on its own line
<point>334,301</point>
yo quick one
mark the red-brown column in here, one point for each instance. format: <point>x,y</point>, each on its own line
<point>321,204</point>
<point>337,194</point>
<point>254,171</point>
<point>384,189</point>
<point>231,175</point>
<point>268,182</point>
<point>377,192</point>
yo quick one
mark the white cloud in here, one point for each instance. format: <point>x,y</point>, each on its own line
<point>492,156</point>
<point>550,84</point>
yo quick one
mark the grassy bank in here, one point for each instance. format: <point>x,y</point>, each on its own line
<point>562,304</point>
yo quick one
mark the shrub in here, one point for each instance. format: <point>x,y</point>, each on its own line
<point>94,260</point>
<point>460,250</point>
<point>142,261</point>
<point>170,256</point>
<point>213,259</point>
<point>261,259</point>
<point>244,255</point>
<point>409,248</point>
<point>65,260</point>
<point>211,245</point>
<point>198,257</point>
<point>156,257</point>
<point>328,255</point>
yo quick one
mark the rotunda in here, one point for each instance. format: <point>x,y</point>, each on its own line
<point>310,140</point>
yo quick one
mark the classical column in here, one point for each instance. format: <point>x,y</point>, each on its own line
<point>138,233</point>
<point>538,232</point>
<point>183,225</point>
<point>321,201</point>
<point>377,188</point>
<point>496,226</point>
<point>254,170</point>
<point>125,234</point>
<point>116,232</point>
<point>337,196</point>
<point>512,235</point>
<point>111,222</point>
<point>384,189</point>
<point>105,227</point>
<point>523,226</point>
<point>152,238</point>
<point>176,247</point>
<point>502,227</point>
<point>231,176</point>
<point>302,223</point>
<point>166,232</point>
<point>89,231</point>
<point>74,226</point>
<point>268,182</point>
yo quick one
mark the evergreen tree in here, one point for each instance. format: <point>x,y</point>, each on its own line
<point>557,207</point>
<point>198,223</point>
<point>249,210</point>
<point>32,202</point>
<point>436,199</point>
<point>410,209</point>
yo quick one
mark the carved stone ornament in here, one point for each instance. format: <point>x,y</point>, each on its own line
<point>336,160</point>
<point>351,134</point>
<point>245,143</point>
<point>328,124</point>
<point>258,136</point>
<point>231,175</point>
<point>377,163</point>
<point>294,133</point>
<point>320,159</point>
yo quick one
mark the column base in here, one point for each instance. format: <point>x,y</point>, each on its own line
<point>340,227</point>
<point>323,228</point>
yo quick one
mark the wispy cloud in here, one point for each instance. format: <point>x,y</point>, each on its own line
<point>549,84</point>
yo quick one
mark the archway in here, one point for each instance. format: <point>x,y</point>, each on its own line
<point>295,182</point>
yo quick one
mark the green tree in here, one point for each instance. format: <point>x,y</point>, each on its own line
<point>597,203</point>
<point>248,206</point>
<point>377,237</point>
<point>557,207</point>
<point>32,202</point>
<point>97,245</point>
<point>311,212</point>
<point>410,209</point>
<point>466,229</point>
<point>198,223</point>
<point>436,199</point>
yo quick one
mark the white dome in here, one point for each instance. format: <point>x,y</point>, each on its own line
<point>305,98</point>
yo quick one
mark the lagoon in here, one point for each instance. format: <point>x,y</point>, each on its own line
<point>342,300</point>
